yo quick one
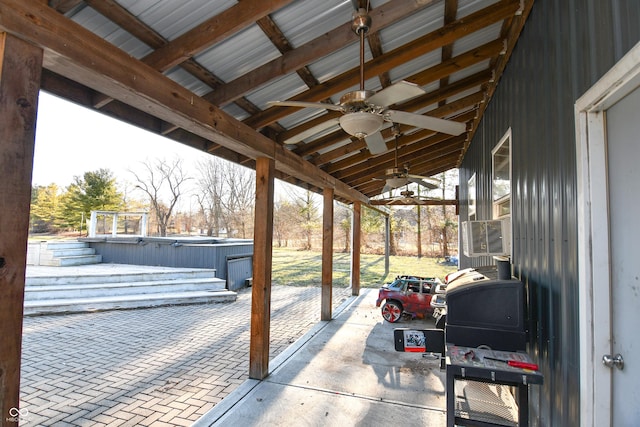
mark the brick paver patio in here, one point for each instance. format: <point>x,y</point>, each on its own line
<point>162,366</point>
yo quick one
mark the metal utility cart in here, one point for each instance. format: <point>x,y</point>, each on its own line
<point>488,369</point>
<point>477,387</point>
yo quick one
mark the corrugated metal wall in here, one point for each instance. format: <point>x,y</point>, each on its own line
<point>566,46</point>
<point>238,271</point>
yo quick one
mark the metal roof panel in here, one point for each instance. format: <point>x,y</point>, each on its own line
<point>188,81</point>
<point>172,18</point>
<point>98,24</point>
<point>277,90</point>
<point>304,21</point>
<point>239,54</point>
<point>416,25</point>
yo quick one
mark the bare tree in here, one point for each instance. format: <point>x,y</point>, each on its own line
<point>285,222</point>
<point>162,179</point>
<point>343,221</point>
<point>307,218</point>
<point>240,184</point>
<point>226,197</point>
<point>445,222</point>
<point>449,180</point>
<point>210,186</point>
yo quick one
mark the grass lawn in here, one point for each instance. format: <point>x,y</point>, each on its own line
<point>304,268</point>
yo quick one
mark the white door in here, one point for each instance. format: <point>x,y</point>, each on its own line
<point>623,143</point>
<point>609,215</point>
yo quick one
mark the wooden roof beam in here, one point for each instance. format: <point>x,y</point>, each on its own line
<point>280,41</point>
<point>64,6</point>
<point>77,54</point>
<point>291,61</point>
<point>420,46</point>
<point>450,13</point>
<point>210,32</point>
<point>130,23</point>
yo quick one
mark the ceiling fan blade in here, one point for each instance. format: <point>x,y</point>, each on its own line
<point>427,122</point>
<point>396,182</point>
<point>430,183</point>
<point>312,131</point>
<point>376,143</point>
<point>301,104</point>
<point>398,92</point>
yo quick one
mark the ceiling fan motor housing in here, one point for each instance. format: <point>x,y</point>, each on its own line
<point>356,100</point>
<point>361,21</point>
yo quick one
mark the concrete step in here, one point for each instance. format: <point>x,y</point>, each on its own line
<point>86,288</point>
<point>65,244</point>
<point>81,305</point>
<point>112,273</point>
<point>66,261</point>
<point>68,252</point>
<point>75,290</point>
<point>62,254</point>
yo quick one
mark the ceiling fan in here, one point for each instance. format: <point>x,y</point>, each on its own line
<point>365,111</point>
<point>397,177</point>
<point>406,197</point>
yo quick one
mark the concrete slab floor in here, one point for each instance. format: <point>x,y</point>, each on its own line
<point>345,373</point>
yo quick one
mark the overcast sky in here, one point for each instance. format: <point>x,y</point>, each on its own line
<point>72,140</point>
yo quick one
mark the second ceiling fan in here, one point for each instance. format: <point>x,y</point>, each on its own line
<point>365,111</point>
<point>396,177</point>
<point>406,197</point>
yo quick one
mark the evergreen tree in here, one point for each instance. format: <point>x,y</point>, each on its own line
<point>45,208</point>
<point>95,191</point>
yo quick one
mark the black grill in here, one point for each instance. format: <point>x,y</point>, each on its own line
<point>490,312</point>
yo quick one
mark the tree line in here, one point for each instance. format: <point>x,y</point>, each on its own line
<point>216,198</point>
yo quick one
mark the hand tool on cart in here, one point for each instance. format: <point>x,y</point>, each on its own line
<point>515,363</point>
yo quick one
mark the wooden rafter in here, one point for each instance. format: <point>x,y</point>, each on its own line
<point>420,46</point>
<point>337,154</point>
<point>80,55</point>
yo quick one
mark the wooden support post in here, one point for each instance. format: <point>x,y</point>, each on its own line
<point>20,70</point>
<point>262,255</point>
<point>327,254</point>
<point>355,248</point>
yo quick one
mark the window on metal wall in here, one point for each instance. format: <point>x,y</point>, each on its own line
<point>471,188</point>
<point>501,182</point>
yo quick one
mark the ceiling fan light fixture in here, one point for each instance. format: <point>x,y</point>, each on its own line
<point>361,124</point>
<point>396,182</point>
